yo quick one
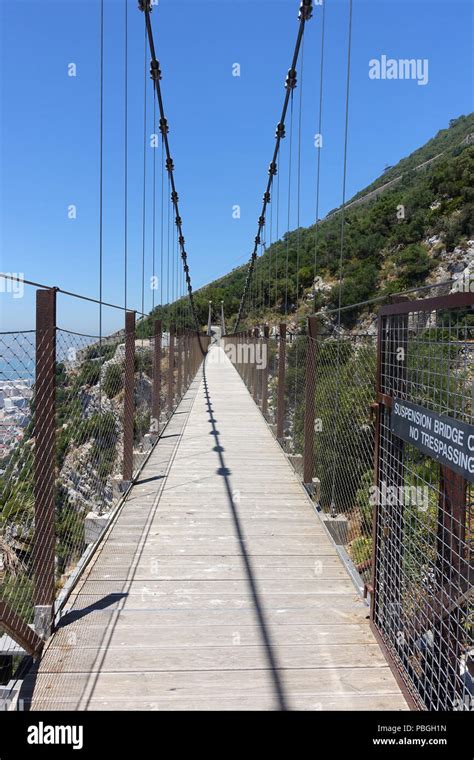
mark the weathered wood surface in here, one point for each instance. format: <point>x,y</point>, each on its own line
<point>217,586</point>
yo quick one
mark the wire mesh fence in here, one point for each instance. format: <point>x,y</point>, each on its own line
<point>17,380</point>
<point>272,379</point>
<point>401,515</point>
<point>423,584</point>
<point>71,405</point>
<point>294,395</point>
<point>344,440</point>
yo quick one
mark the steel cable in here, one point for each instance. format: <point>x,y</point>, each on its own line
<point>146,7</point>
<point>341,253</point>
<point>305,13</point>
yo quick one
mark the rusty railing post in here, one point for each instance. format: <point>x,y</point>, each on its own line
<point>281,381</point>
<point>128,399</point>
<point>44,548</point>
<point>248,343</point>
<point>264,370</point>
<point>179,377</point>
<point>255,341</point>
<point>171,369</point>
<point>156,401</point>
<point>309,410</point>
<point>185,360</point>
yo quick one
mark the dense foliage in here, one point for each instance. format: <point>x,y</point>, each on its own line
<point>384,238</point>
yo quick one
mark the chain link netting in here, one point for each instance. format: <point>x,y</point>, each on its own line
<point>82,470</point>
<point>424,533</point>
<point>17,379</point>
<point>425,516</point>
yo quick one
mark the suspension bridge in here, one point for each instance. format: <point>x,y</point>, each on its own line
<point>187,518</point>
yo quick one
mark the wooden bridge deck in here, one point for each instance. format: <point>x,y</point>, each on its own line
<point>217,586</point>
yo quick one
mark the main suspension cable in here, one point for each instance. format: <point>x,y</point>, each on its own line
<point>305,13</point>
<point>155,72</point>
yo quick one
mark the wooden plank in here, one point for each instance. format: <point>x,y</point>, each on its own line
<point>336,702</point>
<point>131,634</point>
<point>180,599</point>
<point>143,659</point>
<point>87,609</point>
<point>150,685</point>
<point>220,589</point>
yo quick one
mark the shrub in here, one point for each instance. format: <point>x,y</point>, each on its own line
<point>113,380</point>
<point>144,361</point>
<point>361,550</point>
<point>141,425</point>
<point>89,373</point>
<point>105,351</point>
<point>101,427</point>
<point>413,265</point>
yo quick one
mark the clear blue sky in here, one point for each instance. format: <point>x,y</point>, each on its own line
<point>221,127</point>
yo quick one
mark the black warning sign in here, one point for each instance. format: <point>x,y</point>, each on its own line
<point>449,441</point>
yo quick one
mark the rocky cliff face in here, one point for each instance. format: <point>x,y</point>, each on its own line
<point>82,477</point>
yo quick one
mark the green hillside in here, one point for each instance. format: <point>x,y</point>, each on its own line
<point>383,253</point>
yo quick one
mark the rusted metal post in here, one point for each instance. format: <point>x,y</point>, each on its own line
<point>248,373</point>
<point>128,400</point>
<point>281,381</point>
<point>20,631</point>
<point>222,320</point>
<point>156,401</point>
<point>255,342</point>
<point>264,370</point>
<point>309,402</point>
<point>45,451</point>
<point>171,369</point>
<point>192,355</point>
<point>185,360</point>
<point>179,378</point>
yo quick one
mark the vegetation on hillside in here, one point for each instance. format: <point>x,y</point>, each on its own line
<point>384,239</point>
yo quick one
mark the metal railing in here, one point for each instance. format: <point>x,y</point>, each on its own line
<point>79,416</point>
<point>317,388</point>
<point>422,587</point>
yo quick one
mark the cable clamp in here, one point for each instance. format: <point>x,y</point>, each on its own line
<point>261,221</point>
<point>164,129</point>
<point>290,82</point>
<point>280,130</point>
<point>145,5</point>
<point>169,164</point>
<point>174,196</point>
<point>178,221</point>
<point>181,240</point>
<point>266,196</point>
<point>155,71</point>
<point>306,10</point>
<point>272,169</point>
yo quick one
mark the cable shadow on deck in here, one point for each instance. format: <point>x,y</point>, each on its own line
<point>225,472</point>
